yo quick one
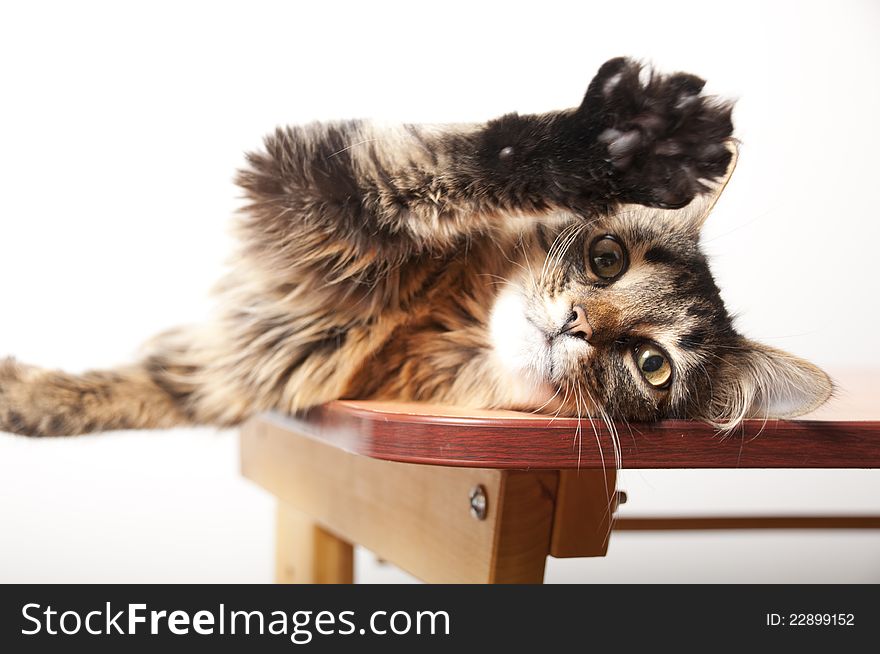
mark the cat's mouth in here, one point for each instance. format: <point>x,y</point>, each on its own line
<point>547,336</point>
<point>528,348</point>
<point>541,346</point>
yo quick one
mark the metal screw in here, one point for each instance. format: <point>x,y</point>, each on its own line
<point>479,502</point>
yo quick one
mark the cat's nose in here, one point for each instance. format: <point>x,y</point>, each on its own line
<point>577,324</point>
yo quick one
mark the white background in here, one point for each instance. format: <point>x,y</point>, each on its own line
<point>121,127</point>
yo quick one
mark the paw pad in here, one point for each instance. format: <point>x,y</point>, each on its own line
<point>662,136</point>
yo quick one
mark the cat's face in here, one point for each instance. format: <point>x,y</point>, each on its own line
<point>621,316</point>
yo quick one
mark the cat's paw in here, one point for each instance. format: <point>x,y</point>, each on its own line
<point>661,136</point>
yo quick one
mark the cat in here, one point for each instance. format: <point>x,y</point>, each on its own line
<point>534,262</point>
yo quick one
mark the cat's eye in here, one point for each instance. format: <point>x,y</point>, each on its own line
<point>607,257</point>
<point>654,365</point>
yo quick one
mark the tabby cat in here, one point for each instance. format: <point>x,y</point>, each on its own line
<point>543,262</point>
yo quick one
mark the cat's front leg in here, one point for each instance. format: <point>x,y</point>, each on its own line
<point>638,137</point>
<point>352,200</point>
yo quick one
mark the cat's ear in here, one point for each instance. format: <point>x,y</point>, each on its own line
<point>691,218</point>
<point>758,381</point>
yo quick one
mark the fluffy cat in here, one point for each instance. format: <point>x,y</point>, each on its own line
<point>503,265</point>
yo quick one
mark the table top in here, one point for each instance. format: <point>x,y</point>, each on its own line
<point>843,434</point>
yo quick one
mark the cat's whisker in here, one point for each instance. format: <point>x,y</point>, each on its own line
<point>556,240</point>
<point>733,230</point>
<point>551,252</point>
<point>500,281</point>
<point>353,145</point>
<point>501,277</point>
<point>599,444</point>
<point>631,435</point>
<point>553,397</point>
<point>504,254</point>
<point>609,496</point>
<point>578,432</point>
<point>526,258</point>
<point>557,258</point>
<point>609,511</point>
<point>561,404</point>
<point>563,249</point>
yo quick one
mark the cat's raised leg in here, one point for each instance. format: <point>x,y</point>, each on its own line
<point>350,200</point>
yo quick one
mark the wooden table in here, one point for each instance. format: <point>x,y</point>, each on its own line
<point>455,495</point>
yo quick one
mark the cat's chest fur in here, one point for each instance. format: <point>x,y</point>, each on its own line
<point>456,341</point>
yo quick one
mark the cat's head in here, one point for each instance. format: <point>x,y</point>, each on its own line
<point>622,316</point>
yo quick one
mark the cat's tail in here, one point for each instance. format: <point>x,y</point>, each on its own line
<point>162,390</point>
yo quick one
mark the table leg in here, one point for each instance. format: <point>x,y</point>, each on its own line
<point>305,553</point>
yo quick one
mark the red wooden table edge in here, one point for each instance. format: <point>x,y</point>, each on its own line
<point>751,426</point>
<point>542,443</point>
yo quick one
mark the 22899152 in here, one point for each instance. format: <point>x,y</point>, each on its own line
<point>811,620</point>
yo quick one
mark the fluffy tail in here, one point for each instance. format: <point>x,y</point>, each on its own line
<point>159,392</point>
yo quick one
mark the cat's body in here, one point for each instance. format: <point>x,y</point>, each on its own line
<point>463,265</point>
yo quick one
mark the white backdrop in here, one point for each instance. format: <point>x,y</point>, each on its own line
<point>121,127</point>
